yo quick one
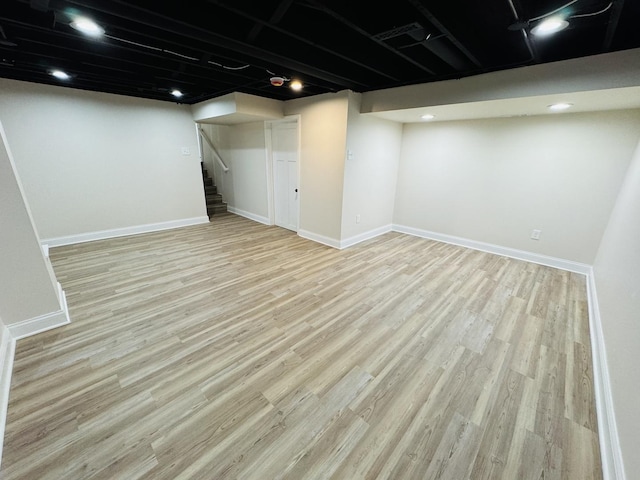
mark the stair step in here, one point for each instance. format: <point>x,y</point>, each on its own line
<point>213,199</point>
<point>218,208</point>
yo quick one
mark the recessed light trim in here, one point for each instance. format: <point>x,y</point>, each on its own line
<point>549,26</point>
<point>176,93</point>
<point>558,107</point>
<point>296,85</point>
<point>87,26</point>
<point>59,74</point>
<point>428,116</point>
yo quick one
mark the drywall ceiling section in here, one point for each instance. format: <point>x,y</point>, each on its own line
<point>607,72</point>
<point>236,108</point>
<point>592,101</point>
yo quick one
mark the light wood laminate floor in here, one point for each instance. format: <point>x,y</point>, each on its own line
<point>236,350</point>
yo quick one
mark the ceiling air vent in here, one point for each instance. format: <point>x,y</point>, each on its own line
<point>412,29</point>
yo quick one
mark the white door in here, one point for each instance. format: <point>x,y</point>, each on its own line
<point>285,174</point>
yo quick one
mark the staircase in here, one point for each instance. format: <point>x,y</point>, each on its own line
<point>215,205</point>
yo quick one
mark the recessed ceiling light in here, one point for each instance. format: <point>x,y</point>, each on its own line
<point>87,26</point>
<point>296,85</point>
<point>558,107</point>
<point>549,26</point>
<point>176,93</point>
<point>428,116</point>
<point>60,75</point>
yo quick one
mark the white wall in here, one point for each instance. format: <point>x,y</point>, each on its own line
<point>27,286</point>
<point>323,124</point>
<point>617,278</point>
<point>246,190</point>
<point>93,161</point>
<point>370,171</point>
<point>496,180</point>
<point>29,297</point>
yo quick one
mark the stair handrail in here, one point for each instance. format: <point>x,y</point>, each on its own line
<point>204,135</point>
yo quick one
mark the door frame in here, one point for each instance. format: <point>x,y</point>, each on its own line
<point>268,135</point>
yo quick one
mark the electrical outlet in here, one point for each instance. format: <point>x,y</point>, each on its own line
<point>535,234</point>
<point>186,151</point>
<point>358,218</point>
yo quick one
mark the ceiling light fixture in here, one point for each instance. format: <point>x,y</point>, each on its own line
<point>428,116</point>
<point>87,26</point>
<point>277,81</point>
<point>280,80</point>
<point>176,93</point>
<point>549,26</point>
<point>60,75</point>
<point>558,107</point>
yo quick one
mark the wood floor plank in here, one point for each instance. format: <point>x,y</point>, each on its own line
<point>234,350</point>
<point>457,449</point>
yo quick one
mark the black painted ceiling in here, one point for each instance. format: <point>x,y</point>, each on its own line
<point>207,48</point>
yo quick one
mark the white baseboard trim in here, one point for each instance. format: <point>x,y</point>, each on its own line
<point>9,335</point>
<point>7,354</point>
<point>42,323</point>
<point>348,242</point>
<point>39,324</point>
<point>123,232</point>
<point>560,263</point>
<point>610,451</point>
<point>249,215</point>
<point>330,242</point>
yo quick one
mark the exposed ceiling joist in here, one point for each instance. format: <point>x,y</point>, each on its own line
<point>40,5</point>
<point>516,8</point>
<point>436,23</point>
<point>275,18</point>
<point>300,39</point>
<point>613,24</point>
<point>194,32</point>
<point>207,48</point>
<point>318,6</point>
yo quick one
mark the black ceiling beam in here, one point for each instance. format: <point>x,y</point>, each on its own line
<point>533,51</point>
<point>125,66</point>
<point>100,76</point>
<point>40,5</point>
<point>356,28</point>
<point>203,35</point>
<point>93,87</point>
<point>135,57</point>
<point>248,88</point>
<point>436,23</point>
<point>315,45</point>
<point>613,24</point>
<point>275,18</point>
<point>204,55</point>
<point>96,75</point>
<point>55,39</point>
